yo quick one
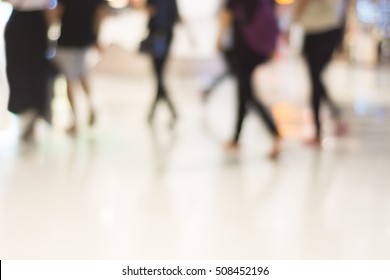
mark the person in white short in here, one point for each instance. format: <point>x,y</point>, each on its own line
<point>80,24</point>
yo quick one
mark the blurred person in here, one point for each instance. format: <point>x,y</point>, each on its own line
<point>80,25</point>
<point>228,58</point>
<point>163,15</point>
<point>255,32</point>
<point>324,24</point>
<point>27,66</point>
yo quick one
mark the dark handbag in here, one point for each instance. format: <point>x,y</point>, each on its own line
<point>156,44</point>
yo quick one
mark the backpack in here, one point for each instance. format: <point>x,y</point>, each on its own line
<point>261,32</point>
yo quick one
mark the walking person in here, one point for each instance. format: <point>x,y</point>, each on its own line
<point>324,23</point>
<point>27,67</point>
<point>163,15</point>
<point>228,59</point>
<point>80,25</point>
<point>228,71</point>
<point>255,35</point>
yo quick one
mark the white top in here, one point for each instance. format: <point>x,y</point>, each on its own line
<point>31,5</point>
<point>322,15</point>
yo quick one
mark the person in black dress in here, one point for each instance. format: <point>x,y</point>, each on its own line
<point>26,63</point>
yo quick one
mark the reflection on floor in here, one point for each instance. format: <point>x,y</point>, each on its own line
<point>129,190</point>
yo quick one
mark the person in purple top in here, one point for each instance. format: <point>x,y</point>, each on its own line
<point>249,52</point>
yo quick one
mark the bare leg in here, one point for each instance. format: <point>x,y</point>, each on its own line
<point>28,121</point>
<point>92,114</point>
<point>70,90</point>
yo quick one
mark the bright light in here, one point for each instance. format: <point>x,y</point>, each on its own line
<point>285,2</point>
<point>118,4</point>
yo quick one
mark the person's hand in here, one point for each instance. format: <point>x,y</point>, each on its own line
<point>151,11</point>
<point>180,20</point>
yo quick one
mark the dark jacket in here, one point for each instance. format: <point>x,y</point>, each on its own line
<point>166,16</point>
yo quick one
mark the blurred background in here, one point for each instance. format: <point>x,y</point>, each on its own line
<point>126,189</point>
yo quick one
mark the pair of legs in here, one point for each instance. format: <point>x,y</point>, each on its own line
<point>27,68</point>
<point>246,67</point>
<point>159,63</point>
<point>73,63</point>
<point>71,85</point>
<point>318,51</point>
<point>228,59</point>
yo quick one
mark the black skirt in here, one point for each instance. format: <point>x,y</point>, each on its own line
<point>27,67</point>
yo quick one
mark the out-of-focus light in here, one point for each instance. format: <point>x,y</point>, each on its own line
<point>5,12</point>
<point>53,4</point>
<point>361,107</point>
<point>284,2</point>
<point>118,4</point>
<point>368,12</point>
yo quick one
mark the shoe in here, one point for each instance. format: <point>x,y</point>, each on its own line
<point>313,142</point>
<point>275,152</point>
<point>231,146</point>
<point>72,130</point>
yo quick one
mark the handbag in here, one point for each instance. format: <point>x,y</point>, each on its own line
<point>155,44</point>
<point>262,32</point>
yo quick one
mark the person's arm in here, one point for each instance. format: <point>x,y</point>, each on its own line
<point>348,6</point>
<point>225,22</point>
<point>144,5</point>
<point>53,15</point>
<point>296,15</point>
<point>177,13</point>
<point>101,13</point>
<point>150,8</point>
<point>299,10</point>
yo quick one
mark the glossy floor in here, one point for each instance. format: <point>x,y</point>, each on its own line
<point>128,190</point>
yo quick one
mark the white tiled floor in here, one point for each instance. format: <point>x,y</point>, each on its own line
<point>126,190</point>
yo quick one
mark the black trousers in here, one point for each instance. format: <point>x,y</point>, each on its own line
<point>318,51</point>
<point>159,67</point>
<point>245,64</point>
